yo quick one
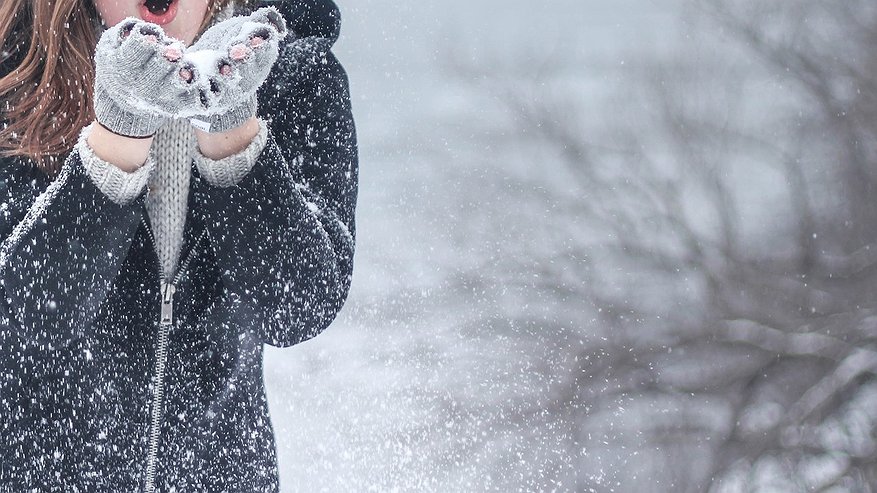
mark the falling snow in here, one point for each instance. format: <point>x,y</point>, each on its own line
<point>600,247</point>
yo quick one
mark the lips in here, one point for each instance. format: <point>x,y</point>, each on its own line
<point>159,12</point>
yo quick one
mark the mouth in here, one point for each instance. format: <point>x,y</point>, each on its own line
<point>159,12</point>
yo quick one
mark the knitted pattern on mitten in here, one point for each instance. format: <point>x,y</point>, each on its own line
<point>229,62</point>
<point>137,78</point>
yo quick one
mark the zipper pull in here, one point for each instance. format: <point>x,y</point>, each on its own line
<point>167,302</point>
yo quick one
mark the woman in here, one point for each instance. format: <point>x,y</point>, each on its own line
<point>162,219</point>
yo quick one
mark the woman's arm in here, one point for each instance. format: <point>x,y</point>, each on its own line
<point>126,153</point>
<point>63,243</point>
<point>221,145</point>
<point>284,234</point>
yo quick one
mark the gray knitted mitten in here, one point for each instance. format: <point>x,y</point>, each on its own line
<point>138,85</point>
<point>227,65</point>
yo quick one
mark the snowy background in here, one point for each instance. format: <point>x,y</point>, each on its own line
<point>602,246</point>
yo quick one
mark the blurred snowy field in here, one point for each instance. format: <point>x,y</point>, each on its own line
<point>424,383</point>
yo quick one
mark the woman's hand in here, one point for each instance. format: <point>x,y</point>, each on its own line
<point>228,63</point>
<point>140,79</point>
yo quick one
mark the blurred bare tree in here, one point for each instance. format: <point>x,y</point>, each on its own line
<point>706,316</point>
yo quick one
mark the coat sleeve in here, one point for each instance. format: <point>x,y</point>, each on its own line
<point>63,243</point>
<point>284,235</point>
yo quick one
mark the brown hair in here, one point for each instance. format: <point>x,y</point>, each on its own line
<point>47,96</point>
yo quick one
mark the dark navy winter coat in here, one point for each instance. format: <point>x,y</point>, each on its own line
<point>267,261</point>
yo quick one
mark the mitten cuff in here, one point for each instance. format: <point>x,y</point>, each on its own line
<point>122,122</point>
<point>229,171</point>
<point>231,119</point>
<point>122,187</point>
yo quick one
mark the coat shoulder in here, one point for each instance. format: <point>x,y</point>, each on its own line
<point>308,18</point>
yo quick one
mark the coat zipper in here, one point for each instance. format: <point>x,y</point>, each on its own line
<point>167,319</point>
